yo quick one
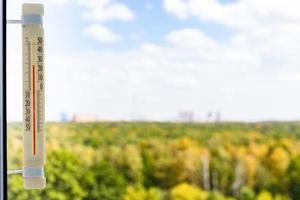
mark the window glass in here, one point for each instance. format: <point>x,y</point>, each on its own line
<point>160,99</point>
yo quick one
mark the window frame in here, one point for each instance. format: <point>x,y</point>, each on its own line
<point>3,121</point>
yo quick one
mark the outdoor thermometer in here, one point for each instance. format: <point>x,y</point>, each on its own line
<point>33,96</point>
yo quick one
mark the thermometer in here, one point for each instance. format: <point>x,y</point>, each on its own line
<point>33,96</point>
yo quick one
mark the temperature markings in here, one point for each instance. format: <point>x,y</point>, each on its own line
<point>34,89</point>
<point>40,84</point>
<point>33,99</point>
<point>27,85</point>
<point>39,111</point>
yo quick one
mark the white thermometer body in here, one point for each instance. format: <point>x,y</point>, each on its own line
<point>33,96</point>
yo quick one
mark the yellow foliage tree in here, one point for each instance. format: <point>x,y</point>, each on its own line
<point>264,195</point>
<point>279,160</point>
<point>251,165</point>
<point>185,191</point>
<point>140,193</point>
<point>258,150</point>
<point>133,161</point>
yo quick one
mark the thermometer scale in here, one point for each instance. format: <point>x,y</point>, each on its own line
<point>33,96</point>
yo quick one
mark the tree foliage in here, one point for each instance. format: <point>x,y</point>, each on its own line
<point>164,161</point>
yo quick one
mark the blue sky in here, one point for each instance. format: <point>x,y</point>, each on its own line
<point>151,23</point>
<point>151,59</point>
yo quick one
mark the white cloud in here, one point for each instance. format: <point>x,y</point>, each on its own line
<point>165,78</point>
<point>244,14</point>
<point>177,7</point>
<point>293,77</point>
<point>252,75</point>
<point>266,31</point>
<point>101,33</point>
<point>58,1</point>
<point>191,72</point>
<point>105,10</point>
<point>257,62</point>
<point>191,38</point>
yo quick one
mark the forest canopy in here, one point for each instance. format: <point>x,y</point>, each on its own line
<point>164,161</point>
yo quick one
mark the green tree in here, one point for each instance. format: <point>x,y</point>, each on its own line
<point>161,166</point>
<point>63,172</point>
<point>247,194</point>
<point>132,165</point>
<point>215,195</point>
<point>103,181</point>
<point>294,174</point>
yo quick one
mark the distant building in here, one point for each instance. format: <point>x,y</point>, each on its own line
<point>218,116</point>
<point>214,117</point>
<point>84,118</point>
<point>186,116</point>
<point>209,116</point>
<point>64,117</point>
